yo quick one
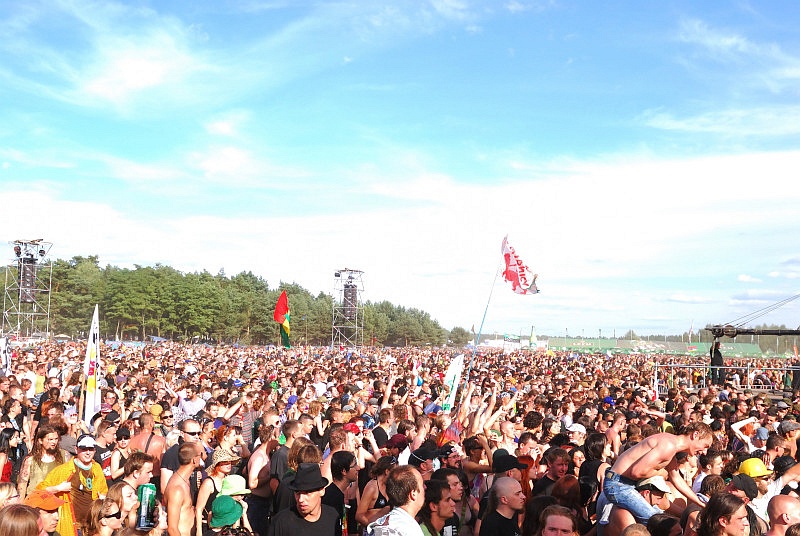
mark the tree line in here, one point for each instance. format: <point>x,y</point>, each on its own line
<point>164,302</point>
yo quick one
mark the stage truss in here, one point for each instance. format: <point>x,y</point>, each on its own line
<point>26,295</point>
<point>347,326</point>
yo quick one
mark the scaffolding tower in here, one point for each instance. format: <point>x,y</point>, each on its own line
<point>26,298</point>
<point>347,327</point>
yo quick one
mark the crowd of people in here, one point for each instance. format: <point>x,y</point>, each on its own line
<point>224,440</point>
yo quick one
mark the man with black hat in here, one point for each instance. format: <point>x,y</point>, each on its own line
<point>309,516</point>
<point>744,487</point>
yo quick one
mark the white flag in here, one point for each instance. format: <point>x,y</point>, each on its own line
<point>5,356</point>
<point>452,379</point>
<point>91,370</point>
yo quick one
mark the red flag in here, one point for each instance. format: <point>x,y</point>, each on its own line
<point>282,317</point>
<point>516,272</point>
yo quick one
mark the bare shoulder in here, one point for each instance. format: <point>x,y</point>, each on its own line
<point>663,440</point>
<point>371,487</point>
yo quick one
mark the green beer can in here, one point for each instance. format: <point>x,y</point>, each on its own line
<point>146,513</point>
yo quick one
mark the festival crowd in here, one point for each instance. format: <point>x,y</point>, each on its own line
<point>315,441</point>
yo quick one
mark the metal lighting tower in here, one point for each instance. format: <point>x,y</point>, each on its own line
<point>26,300</point>
<point>347,328</point>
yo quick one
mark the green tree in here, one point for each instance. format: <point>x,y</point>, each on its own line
<point>460,336</point>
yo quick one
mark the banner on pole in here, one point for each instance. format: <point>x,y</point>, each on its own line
<point>92,370</point>
<point>451,379</point>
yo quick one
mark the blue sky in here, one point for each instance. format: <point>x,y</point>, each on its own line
<point>642,156</point>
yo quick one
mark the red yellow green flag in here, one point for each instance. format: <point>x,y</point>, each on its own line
<point>282,316</point>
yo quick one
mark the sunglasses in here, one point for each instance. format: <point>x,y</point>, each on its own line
<point>167,416</point>
<point>194,434</point>
<point>116,515</point>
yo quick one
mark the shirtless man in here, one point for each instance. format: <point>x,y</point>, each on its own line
<point>259,502</point>
<point>150,443</point>
<point>655,455</point>
<point>178,496</point>
<point>614,433</point>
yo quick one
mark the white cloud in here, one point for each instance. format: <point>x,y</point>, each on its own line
<point>744,278</point>
<point>749,64</point>
<point>764,122</point>
<point>685,298</point>
<point>724,44</point>
<point>228,124</point>
<point>240,167</point>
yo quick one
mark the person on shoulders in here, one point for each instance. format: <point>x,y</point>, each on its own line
<point>647,459</point>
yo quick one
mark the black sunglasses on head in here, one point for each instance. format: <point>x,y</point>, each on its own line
<point>116,515</point>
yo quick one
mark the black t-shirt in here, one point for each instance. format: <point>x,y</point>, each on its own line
<point>543,486</point>
<point>380,435</point>
<point>335,499</point>
<point>102,455</point>
<point>279,463</point>
<point>289,523</point>
<point>498,525</point>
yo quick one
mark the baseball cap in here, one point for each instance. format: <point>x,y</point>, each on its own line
<point>608,400</point>
<point>789,426</point>
<point>43,500</point>
<point>352,428</point>
<point>575,427</point>
<point>446,450</point>
<point>421,455</point>
<point>657,482</point>
<point>762,434</point>
<point>397,441</point>
<point>781,464</point>
<point>85,441</point>
<point>744,483</point>
<point>506,462</point>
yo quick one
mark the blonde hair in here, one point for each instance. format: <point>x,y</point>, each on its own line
<point>7,489</point>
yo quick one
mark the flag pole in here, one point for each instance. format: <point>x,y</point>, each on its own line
<point>478,335</point>
<point>82,400</point>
